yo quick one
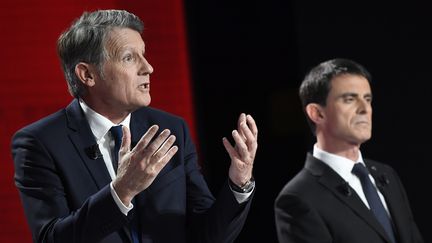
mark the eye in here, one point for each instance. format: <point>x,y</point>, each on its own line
<point>348,99</point>
<point>128,58</point>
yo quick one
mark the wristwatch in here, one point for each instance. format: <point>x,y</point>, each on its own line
<point>247,187</point>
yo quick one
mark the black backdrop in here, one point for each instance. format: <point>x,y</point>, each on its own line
<point>250,56</point>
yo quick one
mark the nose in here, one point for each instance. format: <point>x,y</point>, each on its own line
<point>145,68</point>
<point>364,107</point>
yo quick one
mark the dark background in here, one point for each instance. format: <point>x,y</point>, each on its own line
<point>250,56</point>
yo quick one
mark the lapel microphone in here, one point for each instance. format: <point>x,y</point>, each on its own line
<point>345,189</point>
<point>383,180</point>
<point>93,152</point>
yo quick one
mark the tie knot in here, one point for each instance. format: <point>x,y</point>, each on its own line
<point>360,171</point>
<point>117,133</point>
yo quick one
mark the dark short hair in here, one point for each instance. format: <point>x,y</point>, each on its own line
<point>317,83</point>
<point>84,41</point>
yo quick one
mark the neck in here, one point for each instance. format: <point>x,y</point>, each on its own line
<point>111,112</point>
<point>343,149</point>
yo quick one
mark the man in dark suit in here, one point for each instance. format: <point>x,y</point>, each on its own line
<point>339,196</point>
<point>84,178</point>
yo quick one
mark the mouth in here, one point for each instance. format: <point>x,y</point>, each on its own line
<point>361,120</point>
<point>145,86</point>
<point>362,123</point>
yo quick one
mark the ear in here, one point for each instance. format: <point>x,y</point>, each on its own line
<point>85,73</point>
<point>315,113</point>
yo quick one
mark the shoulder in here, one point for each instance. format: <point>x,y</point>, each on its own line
<point>45,125</point>
<point>306,181</point>
<point>301,195</point>
<point>302,184</point>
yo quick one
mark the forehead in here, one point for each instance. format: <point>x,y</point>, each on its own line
<point>123,38</point>
<point>350,83</point>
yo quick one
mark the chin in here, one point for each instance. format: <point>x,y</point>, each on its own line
<point>136,105</point>
<point>359,138</point>
<point>145,102</point>
<point>364,139</point>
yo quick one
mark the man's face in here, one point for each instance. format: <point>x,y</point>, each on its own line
<point>348,113</point>
<point>124,82</point>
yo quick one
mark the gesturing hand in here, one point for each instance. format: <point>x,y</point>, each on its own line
<point>139,167</point>
<point>243,153</point>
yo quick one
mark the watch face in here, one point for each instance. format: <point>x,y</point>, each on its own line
<point>249,186</point>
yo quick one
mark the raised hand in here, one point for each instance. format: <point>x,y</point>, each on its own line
<point>243,153</point>
<point>139,167</point>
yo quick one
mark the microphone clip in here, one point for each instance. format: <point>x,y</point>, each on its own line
<point>93,152</point>
<point>345,189</point>
<point>383,180</point>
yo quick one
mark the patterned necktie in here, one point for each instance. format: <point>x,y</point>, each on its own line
<point>117,133</point>
<point>373,199</point>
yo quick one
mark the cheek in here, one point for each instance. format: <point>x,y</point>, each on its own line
<point>342,122</point>
<point>119,81</point>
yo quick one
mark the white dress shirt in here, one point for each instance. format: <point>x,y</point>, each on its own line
<point>343,167</point>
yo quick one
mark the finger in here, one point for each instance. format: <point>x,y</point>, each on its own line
<point>165,159</point>
<point>252,125</point>
<point>229,148</point>
<point>160,153</point>
<point>242,119</point>
<point>126,141</point>
<point>155,144</point>
<point>240,144</point>
<point>146,138</point>
<point>251,141</point>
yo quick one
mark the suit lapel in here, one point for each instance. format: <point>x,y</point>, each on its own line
<point>387,187</point>
<point>82,138</point>
<point>141,121</point>
<point>138,126</point>
<point>337,185</point>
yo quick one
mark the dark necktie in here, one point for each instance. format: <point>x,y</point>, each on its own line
<point>117,133</point>
<point>373,199</point>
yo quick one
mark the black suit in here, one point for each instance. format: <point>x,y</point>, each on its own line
<point>318,206</point>
<point>66,195</point>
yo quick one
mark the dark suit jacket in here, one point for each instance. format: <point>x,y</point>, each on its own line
<point>66,196</point>
<point>318,206</point>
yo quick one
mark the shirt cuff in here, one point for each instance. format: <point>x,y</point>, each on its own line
<point>123,208</point>
<point>242,197</point>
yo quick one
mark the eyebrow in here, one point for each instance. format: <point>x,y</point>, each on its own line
<point>351,94</point>
<point>126,48</point>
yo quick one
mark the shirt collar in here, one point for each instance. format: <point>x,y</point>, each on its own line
<point>341,165</point>
<point>99,124</point>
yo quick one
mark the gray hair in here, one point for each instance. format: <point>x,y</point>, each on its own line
<point>84,41</point>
